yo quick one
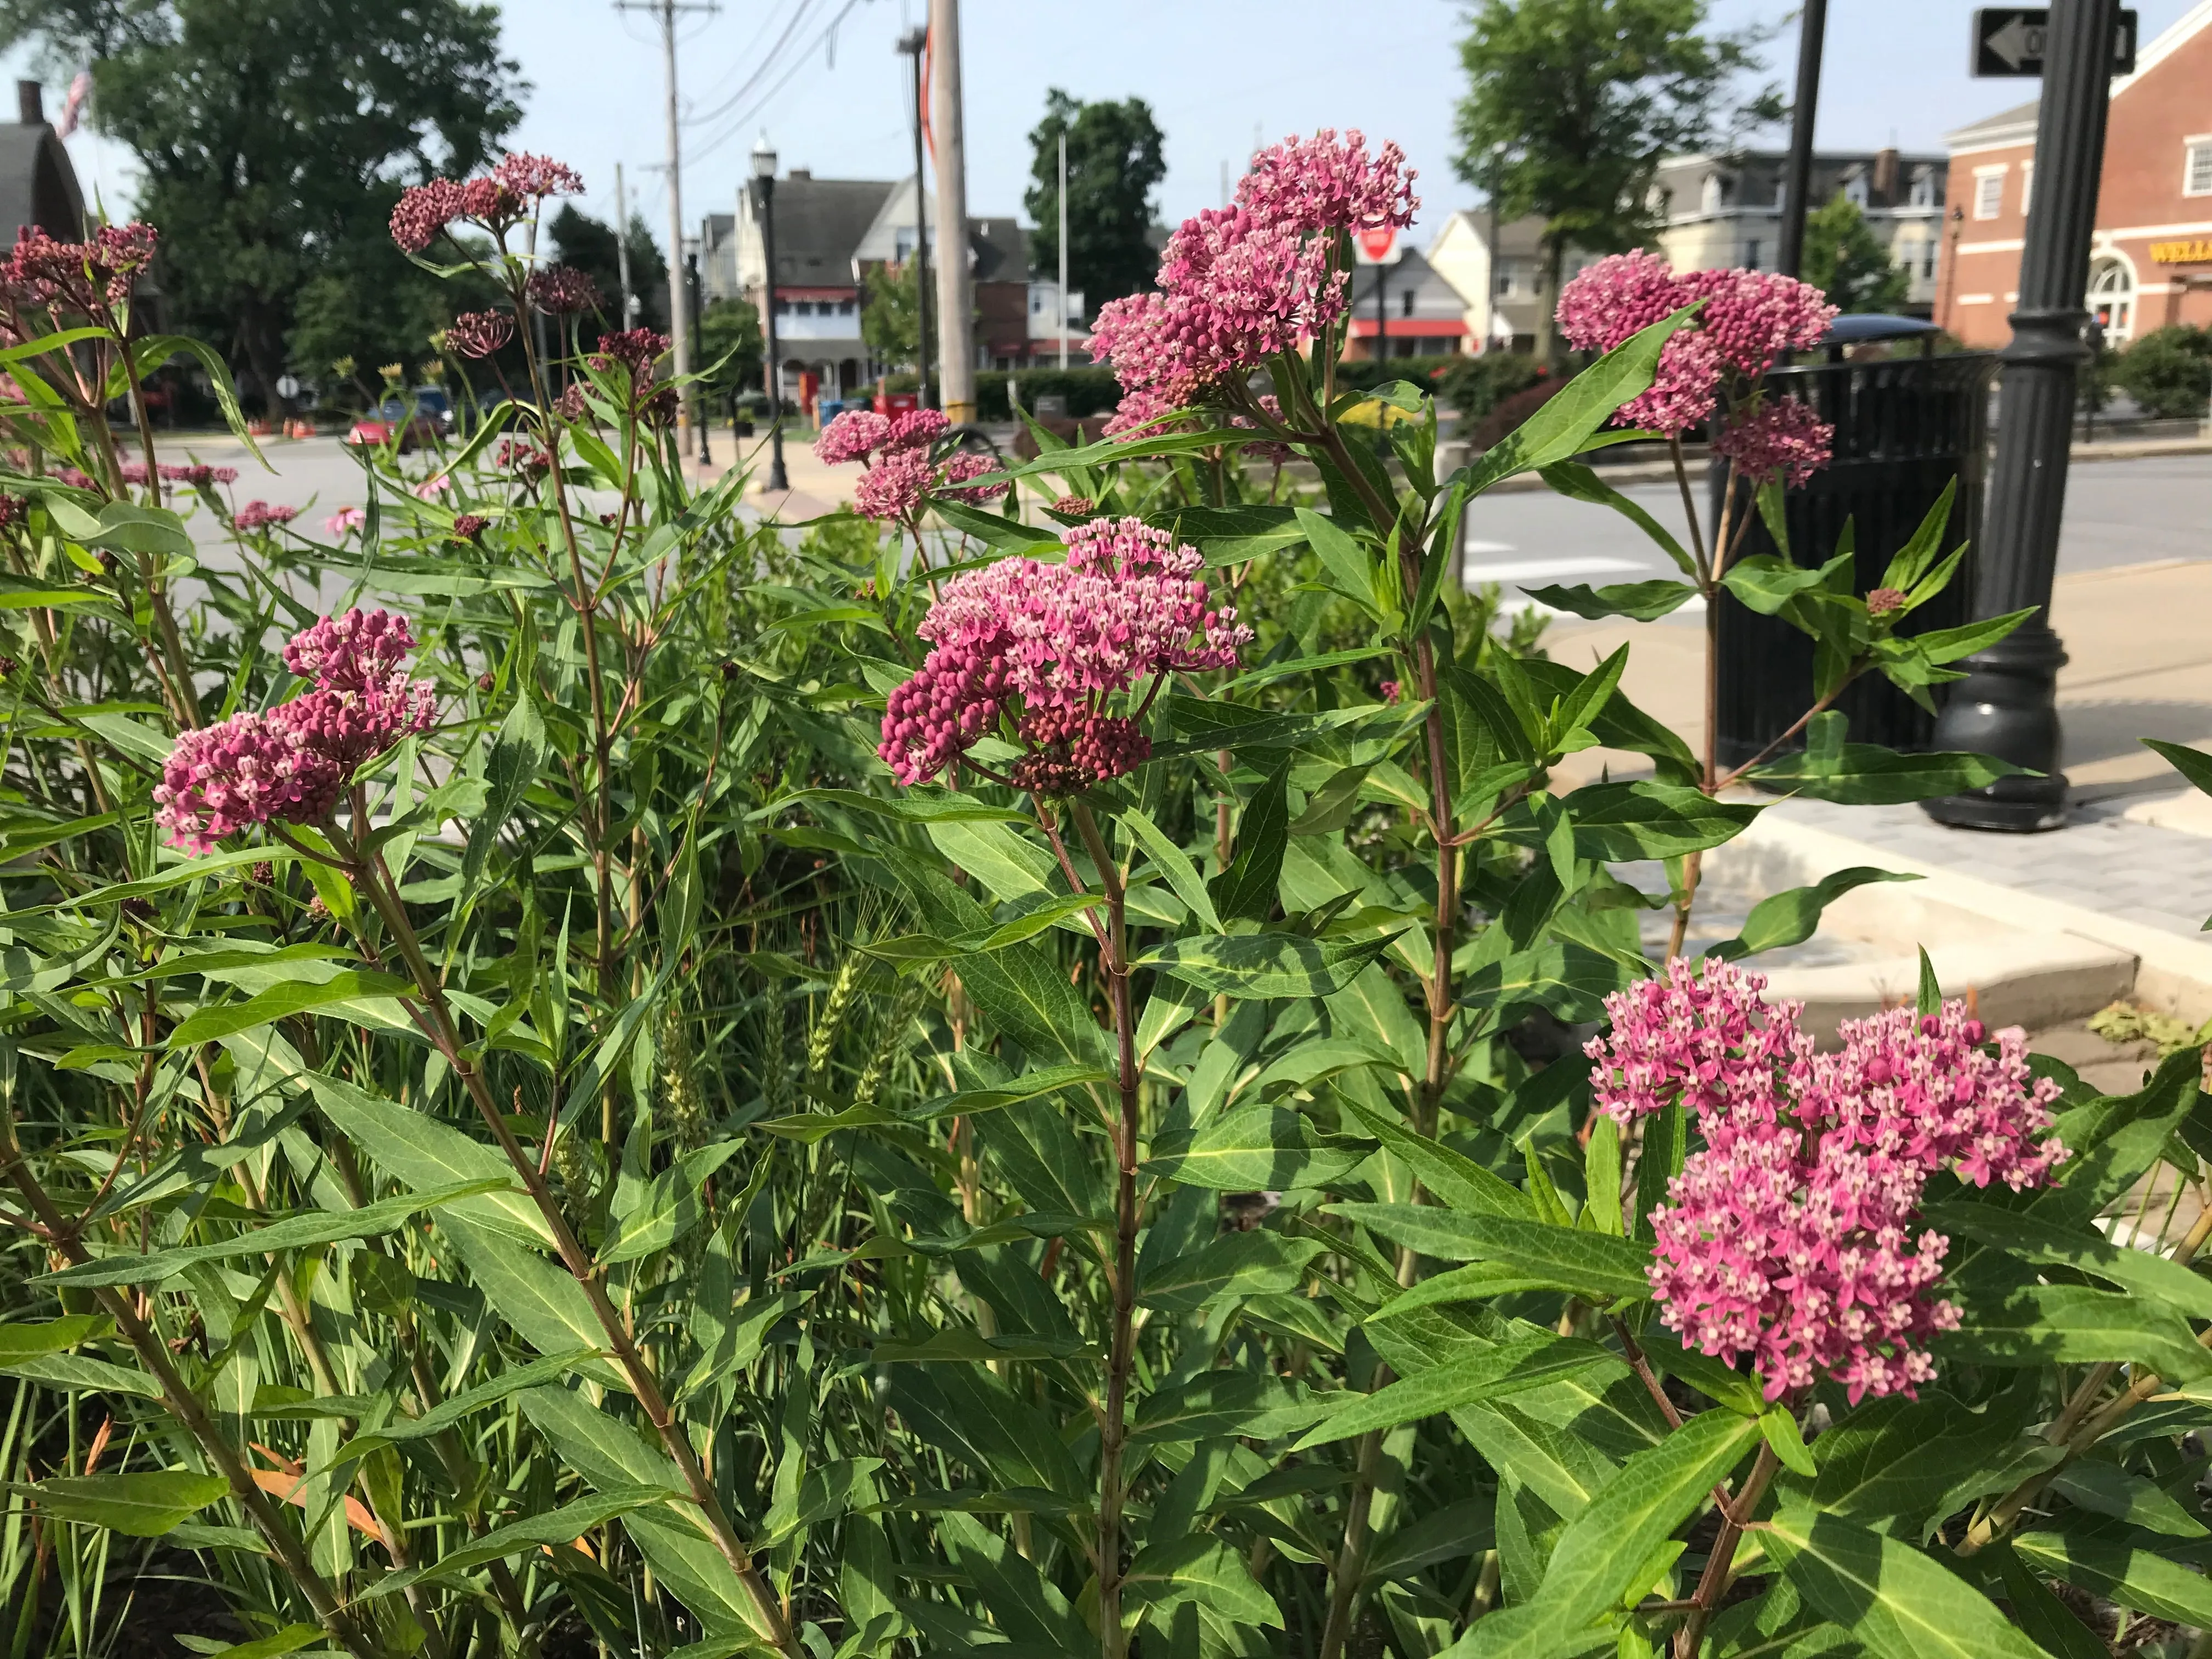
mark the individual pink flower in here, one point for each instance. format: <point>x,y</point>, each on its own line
<point>854,435</point>
<point>893,488</point>
<point>960,468</point>
<point>636,349</point>
<point>1049,645</point>
<point>1781,439</point>
<point>1324,184</point>
<point>1755,316</point>
<point>221,778</point>
<point>480,333</point>
<point>343,522</point>
<point>537,177</point>
<point>562,289</point>
<point>262,515</point>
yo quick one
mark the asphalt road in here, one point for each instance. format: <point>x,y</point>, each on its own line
<point>2118,512</point>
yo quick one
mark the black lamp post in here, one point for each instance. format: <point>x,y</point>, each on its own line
<point>696,295</point>
<point>2008,704</point>
<point>763,185</point>
<point>914,43</point>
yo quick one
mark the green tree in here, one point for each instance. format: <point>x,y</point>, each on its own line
<point>1113,165</point>
<point>588,244</point>
<point>890,321</point>
<point>731,330</point>
<point>1570,104</point>
<point>1843,257</point>
<point>273,137</point>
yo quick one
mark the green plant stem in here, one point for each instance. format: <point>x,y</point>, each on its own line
<point>372,883</point>
<point>1721,1564</point>
<point>185,1406</point>
<point>1120,1355</point>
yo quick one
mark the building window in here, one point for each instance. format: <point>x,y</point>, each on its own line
<point>2196,167</point>
<point>2112,298</point>
<point>2027,186</point>
<point>1989,192</point>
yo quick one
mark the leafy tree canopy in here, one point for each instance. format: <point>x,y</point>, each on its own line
<point>588,244</point>
<point>1113,165</point>
<point>273,137</point>
<point>1845,256</point>
<point>1571,104</point>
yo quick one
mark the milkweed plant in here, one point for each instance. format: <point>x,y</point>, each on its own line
<point>1048,1065</point>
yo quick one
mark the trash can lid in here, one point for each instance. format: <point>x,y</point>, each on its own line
<point>1859,328</point>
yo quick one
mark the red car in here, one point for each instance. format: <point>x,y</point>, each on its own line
<point>419,420</point>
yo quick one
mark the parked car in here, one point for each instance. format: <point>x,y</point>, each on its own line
<point>416,418</point>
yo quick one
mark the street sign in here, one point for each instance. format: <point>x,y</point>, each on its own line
<point>1377,246</point>
<point>2008,41</point>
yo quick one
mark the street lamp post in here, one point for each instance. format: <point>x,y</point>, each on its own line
<point>2008,704</point>
<point>914,43</point>
<point>697,296</point>
<point>763,188</point>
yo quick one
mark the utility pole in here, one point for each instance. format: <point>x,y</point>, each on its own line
<point>914,43</point>
<point>1062,199</point>
<point>2008,704</point>
<point>622,244</point>
<point>666,12</point>
<point>956,282</point>
<point>1812,25</point>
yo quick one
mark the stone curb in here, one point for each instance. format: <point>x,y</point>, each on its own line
<point>2029,960</point>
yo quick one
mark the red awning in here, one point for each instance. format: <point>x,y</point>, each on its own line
<point>1411,328</point>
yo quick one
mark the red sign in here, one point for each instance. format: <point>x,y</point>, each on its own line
<point>1377,246</point>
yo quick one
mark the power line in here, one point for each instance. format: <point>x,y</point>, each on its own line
<point>739,123</point>
<point>798,15</point>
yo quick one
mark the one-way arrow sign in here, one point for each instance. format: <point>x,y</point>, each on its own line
<point>2008,41</point>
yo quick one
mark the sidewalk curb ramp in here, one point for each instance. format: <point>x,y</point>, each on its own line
<point>2028,960</point>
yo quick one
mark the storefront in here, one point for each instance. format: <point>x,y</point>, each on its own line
<point>2151,259</point>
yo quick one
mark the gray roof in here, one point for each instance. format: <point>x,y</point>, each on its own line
<point>38,186</point>
<point>2019,115</point>
<point>1001,248</point>
<point>818,224</point>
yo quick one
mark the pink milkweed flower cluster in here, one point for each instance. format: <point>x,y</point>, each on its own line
<point>479,333</point>
<point>495,202</point>
<point>1780,439</point>
<point>1244,282</point>
<point>899,454</point>
<point>199,475</point>
<point>263,515</point>
<point>1792,1236</point>
<point>1049,645</point>
<point>88,278</point>
<point>289,764</point>
<point>1748,319</point>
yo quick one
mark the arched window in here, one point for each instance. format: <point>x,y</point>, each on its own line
<point>2112,298</point>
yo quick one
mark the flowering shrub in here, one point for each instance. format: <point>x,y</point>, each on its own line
<point>972,1077</point>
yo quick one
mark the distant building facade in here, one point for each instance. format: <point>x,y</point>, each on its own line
<point>2151,255</point>
<point>1724,210</point>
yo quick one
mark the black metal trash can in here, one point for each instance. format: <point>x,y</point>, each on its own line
<point>1905,427</point>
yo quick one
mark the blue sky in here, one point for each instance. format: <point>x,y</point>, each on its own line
<point>1216,72</point>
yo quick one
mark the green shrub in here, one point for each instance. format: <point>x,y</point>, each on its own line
<point>2169,372</point>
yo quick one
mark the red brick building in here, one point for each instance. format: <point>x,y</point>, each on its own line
<point>2151,261</point>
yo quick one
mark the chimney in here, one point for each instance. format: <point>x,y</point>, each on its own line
<point>1887,166</point>
<point>31,104</point>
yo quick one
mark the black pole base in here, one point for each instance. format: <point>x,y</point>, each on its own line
<point>2007,707</point>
